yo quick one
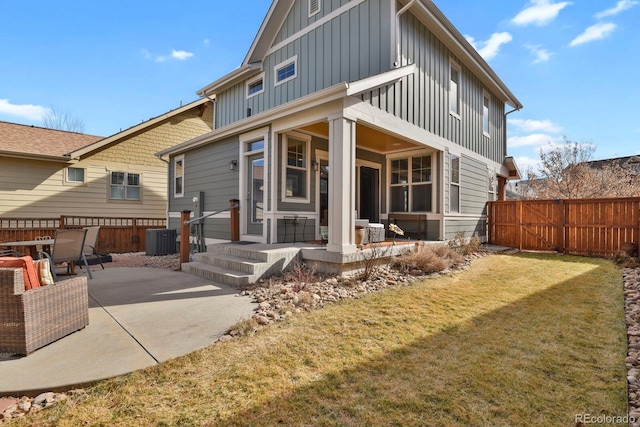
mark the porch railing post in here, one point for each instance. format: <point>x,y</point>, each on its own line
<point>235,220</point>
<point>185,239</point>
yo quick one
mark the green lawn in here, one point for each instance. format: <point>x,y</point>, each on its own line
<point>515,340</point>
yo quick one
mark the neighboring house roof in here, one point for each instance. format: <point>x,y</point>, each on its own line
<point>89,148</point>
<point>18,140</point>
<point>425,10</point>
<point>26,141</point>
<point>627,161</point>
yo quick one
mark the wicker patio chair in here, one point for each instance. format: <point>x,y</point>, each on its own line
<point>30,319</point>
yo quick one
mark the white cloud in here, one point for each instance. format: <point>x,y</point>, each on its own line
<point>621,6</point>
<point>594,32</point>
<point>539,12</point>
<point>180,55</point>
<point>526,163</point>
<point>206,42</point>
<point>542,55</point>
<point>533,140</point>
<point>28,111</point>
<point>529,125</point>
<point>489,49</point>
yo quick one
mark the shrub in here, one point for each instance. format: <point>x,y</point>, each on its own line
<point>622,259</point>
<point>428,259</point>
<point>464,246</point>
<point>300,274</point>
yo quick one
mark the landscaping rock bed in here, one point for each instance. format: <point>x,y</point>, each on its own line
<point>631,280</point>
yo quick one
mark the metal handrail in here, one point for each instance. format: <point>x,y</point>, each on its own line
<point>191,221</point>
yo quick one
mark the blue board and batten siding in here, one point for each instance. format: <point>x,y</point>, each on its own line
<point>423,98</point>
<point>349,47</point>
<point>207,170</point>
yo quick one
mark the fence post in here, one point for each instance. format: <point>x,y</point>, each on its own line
<point>185,238</point>
<point>61,225</point>
<point>519,224</point>
<point>562,224</point>
<point>235,220</point>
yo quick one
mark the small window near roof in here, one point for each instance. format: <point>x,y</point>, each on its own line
<point>485,115</point>
<point>286,71</point>
<point>75,175</point>
<point>314,7</point>
<point>255,86</point>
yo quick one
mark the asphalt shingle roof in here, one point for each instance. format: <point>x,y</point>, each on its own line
<point>25,139</point>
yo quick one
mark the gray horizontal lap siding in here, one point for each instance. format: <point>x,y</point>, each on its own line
<point>423,98</point>
<point>350,47</point>
<point>474,186</point>
<point>207,170</point>
<point>470,227</point>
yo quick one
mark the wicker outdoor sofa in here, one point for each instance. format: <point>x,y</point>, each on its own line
<point>30,319</point>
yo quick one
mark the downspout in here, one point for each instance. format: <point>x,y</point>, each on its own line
<point>166,212</point>
<point>501,194</point>
<point>400,12</point>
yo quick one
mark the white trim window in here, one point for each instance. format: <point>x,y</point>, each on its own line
<point>178,176</point>
<point>486,101</point>
<point>454,88</point>
<point>454,184</point>
<point>255,86</point>
<point>295,159</point>
<point>314,7</point>
<point>124,186</point>
<point>411,187</point>
<point>285,71</point>
<point>75,175</point>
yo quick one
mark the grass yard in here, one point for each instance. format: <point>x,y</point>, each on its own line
<point>526,339</point>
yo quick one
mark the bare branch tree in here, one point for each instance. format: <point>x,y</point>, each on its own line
<point>567,171</point>
<point>63,120</point>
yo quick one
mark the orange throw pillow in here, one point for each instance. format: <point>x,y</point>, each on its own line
<point>31,280</point>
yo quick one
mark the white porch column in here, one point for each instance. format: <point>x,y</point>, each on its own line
<point>342,184</point>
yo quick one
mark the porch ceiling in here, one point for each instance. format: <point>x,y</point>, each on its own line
<point>367,138</point>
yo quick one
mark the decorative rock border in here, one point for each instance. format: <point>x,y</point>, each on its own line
<point>631,281</point>
<point>14,408</point>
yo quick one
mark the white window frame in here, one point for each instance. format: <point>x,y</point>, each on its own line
<point>409,156</point>
<point>452,183</point>
<point>293,60</point>
<point>126,175</point>
<point>252,81</point>
<point>72,181</point>
<point>318,4</point>
<point>307,168</point>
<point>453,65</point>
<point>486,118</point>
<point>177,159</point>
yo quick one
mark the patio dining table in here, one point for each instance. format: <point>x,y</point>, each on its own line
<point>32,245</point>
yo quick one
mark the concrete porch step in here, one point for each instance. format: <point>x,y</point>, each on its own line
<point>240,264</point>
<point>217,274</point>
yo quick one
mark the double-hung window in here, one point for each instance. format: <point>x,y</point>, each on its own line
<point>454,188</point>
<point>454,89</point>
<point>411,184</point>
<point>125,186</point>
<point>296,168</point>
<point>178,176</point>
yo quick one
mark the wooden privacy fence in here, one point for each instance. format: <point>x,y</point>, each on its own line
<point>116,234</point>
<point>592,227</point>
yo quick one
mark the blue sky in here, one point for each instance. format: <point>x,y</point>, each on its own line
<point>114,64</point>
